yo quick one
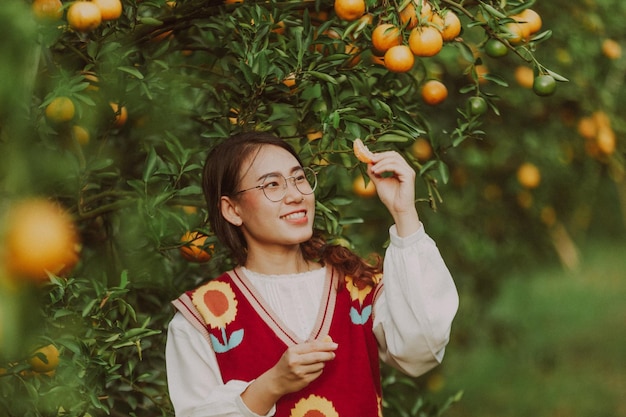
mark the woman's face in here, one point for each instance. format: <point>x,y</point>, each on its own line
<point>266,223</point>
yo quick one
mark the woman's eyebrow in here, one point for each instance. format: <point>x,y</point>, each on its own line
<point>294,169</point>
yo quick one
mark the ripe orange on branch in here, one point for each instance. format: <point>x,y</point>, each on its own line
<point>47,10</point>
<point>399,58</point>
<point>385,36</point>
<point>193,249</point>
<point>448,24</point>
<point>109,9</point>
<point>530,21</point>
<point>409,14</point>
<point>121,114</point>
<point>61,109</point>
<point>84,16</point>
<point>361,189</point>
<point>45,359</point>
<point>425,41</point>
<point>349,9</point>
<point>434,92</point>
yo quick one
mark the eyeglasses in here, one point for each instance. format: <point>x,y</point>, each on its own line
<point>274,186</point>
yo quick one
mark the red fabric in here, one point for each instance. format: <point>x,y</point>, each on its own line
<point>349,385</point>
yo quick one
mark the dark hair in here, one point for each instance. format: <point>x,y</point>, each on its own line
<point>222,173</point>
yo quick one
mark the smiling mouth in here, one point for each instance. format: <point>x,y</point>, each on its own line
<point>295,216</point>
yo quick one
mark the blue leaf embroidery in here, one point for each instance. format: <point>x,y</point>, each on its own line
<point>218,347</point>
<point>231,342</point>
<point>235,339</point>
<point>362,317</point>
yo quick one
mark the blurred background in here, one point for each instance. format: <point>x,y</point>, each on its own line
<point>106,116</point>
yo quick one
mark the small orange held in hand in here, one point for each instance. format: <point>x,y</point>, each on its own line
<point>362,152</point>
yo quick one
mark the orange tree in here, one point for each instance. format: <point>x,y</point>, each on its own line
<point>111,110</point>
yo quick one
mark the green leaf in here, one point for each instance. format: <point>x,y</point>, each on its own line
<point>132,71</point>
<point>323,77</point>
<point>392,137</point>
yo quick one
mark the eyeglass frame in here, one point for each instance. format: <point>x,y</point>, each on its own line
<point>263,186</point>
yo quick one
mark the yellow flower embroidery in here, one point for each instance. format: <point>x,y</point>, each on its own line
<point>357,293</point>
<point>314,406</point>
<point>216,303</point>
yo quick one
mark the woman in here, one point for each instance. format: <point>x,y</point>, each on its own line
<point>299,326</point>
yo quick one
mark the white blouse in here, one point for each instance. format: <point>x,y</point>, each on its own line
<point>412,322</point>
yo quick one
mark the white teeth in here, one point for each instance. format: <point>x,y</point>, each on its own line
<point>294,216</point>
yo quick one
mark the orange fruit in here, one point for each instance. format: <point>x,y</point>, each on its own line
<point>45,359</point>
<point>524,76</point>
<point>517,32</point>
<point>61,109</point>
<point>605,140</point>
<point>40,238</point>
<point>314,134</point>
<point>528,175</point>
<point>92,79</point>
<point>80,134</point>
<point>449,25</point>
<point>385,36</point>
<point>362,190</point>
<point>109,9</point>
<point>193,249</point>
<point>47,10</point>
<point>121,114</point>
<point>399,58</point>
<point>611,49</point>
<point>349,9</point>
<point>84,16</point>
<point>361,151</point>
<point>421,149</point>
<point>290,80</point>
<point>425,41</point>
<point>409,16</point>
<point>587,128</point>
<point>531,20</point>
<point>355,54</point>
<point>434,92</point>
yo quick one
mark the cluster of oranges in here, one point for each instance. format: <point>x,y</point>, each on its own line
<point>600,139</point>
<point>427,32</point>
<point>82,16</point>
<point>420,32</point>
<point>61,110</point>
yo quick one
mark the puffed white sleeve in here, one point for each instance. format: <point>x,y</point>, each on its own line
<point>194,380</point>
<point>414,311</point>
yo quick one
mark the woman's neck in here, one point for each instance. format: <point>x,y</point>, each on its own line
<point>278,263</point>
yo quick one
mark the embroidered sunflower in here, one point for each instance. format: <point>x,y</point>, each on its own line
<point>314,406</point>
<point>357,293</point>
<point>216,303</point>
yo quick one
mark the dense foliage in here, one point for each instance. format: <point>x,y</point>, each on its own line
<point>151,91</point>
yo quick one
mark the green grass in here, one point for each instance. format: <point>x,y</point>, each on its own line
<point>552,344</point>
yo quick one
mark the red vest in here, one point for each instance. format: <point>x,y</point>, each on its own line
<point>248,339</point>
